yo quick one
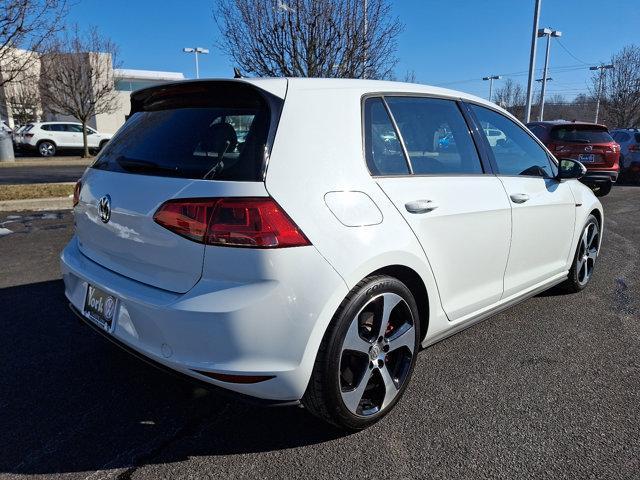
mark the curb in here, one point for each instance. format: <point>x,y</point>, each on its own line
<point>41,163</point>
<point>37,204</point>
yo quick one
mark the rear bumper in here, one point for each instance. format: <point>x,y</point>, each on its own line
<point>259,328</point>
<point>222,391</point>
<point>595,177</point>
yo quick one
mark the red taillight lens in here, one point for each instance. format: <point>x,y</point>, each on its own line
<point>28,135</point>
<point>634,147</point>
<point>76,193</point>
<point>232,222</point>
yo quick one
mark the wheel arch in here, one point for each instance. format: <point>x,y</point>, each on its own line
<point>416,285</point>
<point>46,140</point>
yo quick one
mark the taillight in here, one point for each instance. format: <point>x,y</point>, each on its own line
<point>28,135</point>
<point>76,193</point>
<point>634,147</point>
<point>255,222</point>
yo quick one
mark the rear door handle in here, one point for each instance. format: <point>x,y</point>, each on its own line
<point>420,206</point>
<point>519,197</point>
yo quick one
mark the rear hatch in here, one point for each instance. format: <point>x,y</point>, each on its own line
<point>590,144</point>
<point>190,140</point>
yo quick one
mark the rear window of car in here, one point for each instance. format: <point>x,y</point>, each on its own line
<point>206,130</point>
<point>580,134</point>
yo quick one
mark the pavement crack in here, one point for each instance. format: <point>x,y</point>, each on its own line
<point>189,428</point>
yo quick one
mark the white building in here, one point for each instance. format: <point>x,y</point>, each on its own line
<point>126,81</point>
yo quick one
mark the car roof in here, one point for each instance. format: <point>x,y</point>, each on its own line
<point>553,123</point>
<point>58,123</point>
<point>282,85</point>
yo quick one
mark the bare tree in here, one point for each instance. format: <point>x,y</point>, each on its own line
<point>23,97</point>
<point>26,25</point>
<point>620,93</point>
<point>77,76</point>
<point>410,77</point>
<point>309,38</point>
<point>511,97</point>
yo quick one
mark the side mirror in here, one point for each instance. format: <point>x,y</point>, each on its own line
<point>570,168</point>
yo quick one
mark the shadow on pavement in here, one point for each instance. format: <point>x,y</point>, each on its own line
<point>73,402</point>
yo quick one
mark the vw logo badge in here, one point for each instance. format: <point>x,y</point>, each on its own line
<point>588,148</point>
<point>104,208</point>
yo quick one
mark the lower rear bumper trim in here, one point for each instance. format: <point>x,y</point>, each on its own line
<point>208,386</point>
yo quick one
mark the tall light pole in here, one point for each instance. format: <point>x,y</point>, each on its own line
<point>546,32</point>
<point>532,60</point>
<point>602,68</point>
<point>196,51</point>
<point>542,80</point>
<point>491,78</point>
<point>366,41</point>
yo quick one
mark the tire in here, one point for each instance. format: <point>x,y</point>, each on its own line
<point>353,388</point>
<point>604,189</point>
<point>587,247</point>
<point>46,148</point>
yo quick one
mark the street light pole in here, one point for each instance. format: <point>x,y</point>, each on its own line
<point>602,68</point>
<point>546,32</point>
<point>196,51</point>
<point>366,43</point>
<point>491,78</point>
<point>532,60</point>
<point>543,81</point>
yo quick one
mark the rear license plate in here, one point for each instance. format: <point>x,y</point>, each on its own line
<point>586,157</point>
<point>100,306</point>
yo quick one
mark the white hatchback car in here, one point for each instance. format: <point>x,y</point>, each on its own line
<point>47,138</point>
<point>310,260</point>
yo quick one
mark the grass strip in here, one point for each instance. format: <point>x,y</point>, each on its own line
<point>35,190</point>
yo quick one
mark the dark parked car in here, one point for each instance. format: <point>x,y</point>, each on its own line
<point>629,141</point>
<point>589,143</point>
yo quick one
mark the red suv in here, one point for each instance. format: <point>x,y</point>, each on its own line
<point>589,143</point>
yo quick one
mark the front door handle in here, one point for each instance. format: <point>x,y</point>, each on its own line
<point>519,197</point>
<point>420,206</point>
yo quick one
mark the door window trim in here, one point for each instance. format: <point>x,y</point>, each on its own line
<point>485,165</point>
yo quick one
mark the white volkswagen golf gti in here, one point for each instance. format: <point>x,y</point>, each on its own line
<point>299,240</point>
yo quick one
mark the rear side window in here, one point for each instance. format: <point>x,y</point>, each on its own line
<point>382,147</point>
<point>580,134</point>
<point>621,137</point>
<point>215,131</point>
<point>56,127</point>
<point>515,152</point>
<point>435,135</point>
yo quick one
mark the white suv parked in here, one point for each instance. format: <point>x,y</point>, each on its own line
<point>299,240</point>
<point>48,137</point>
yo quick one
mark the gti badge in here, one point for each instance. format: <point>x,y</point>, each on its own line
<point>104,208</point>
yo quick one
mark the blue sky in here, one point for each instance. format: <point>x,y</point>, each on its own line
<point>452,43</point>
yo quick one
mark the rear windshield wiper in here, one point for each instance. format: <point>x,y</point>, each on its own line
<point>143,166</point>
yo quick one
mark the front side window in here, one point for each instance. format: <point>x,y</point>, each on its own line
<point>436,135</point>
<point>515,151</point>
<point>382,147</point>
<point>74,128</point>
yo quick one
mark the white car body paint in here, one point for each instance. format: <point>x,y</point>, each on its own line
<point>244,311</point>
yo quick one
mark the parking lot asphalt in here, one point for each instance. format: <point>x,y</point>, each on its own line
<point>547,389</point>
<point>23,174</point>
